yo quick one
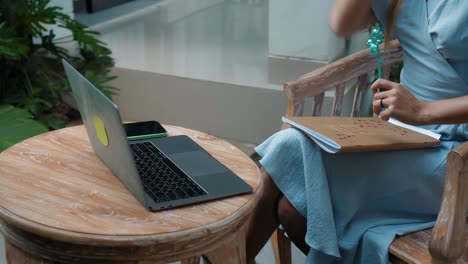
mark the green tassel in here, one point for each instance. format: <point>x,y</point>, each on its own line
<point>373,42</point>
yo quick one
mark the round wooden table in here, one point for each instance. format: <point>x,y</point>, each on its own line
<point>60,204</point>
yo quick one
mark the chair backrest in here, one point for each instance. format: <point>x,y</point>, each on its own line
<point>356,67</point>
<point>449,239</point>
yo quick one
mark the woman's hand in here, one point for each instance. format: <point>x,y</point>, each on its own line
<point>398,103</point>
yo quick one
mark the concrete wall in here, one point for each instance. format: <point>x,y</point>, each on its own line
<point>241,113</point>
<point>297,28</point>
<point>67,6</point>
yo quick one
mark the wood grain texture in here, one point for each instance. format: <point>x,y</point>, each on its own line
<point>16,255</point>
<point>318,103</point>
<point>290,111</point>
<point>299,108</point>
<point>338,100</point>
<point>448,239</point>
<point>231,251</point>
<point>59,201</point>
<point>359,95</point>
<point>192,260</point>
<point>412,248</point>
<point>281,247</point>
<point>386,69</point>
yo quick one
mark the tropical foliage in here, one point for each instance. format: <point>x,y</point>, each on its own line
<point>32,76</point>
<point>17,125</point>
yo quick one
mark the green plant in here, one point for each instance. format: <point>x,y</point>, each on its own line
<point>17,125</point>
<point>31,74</point>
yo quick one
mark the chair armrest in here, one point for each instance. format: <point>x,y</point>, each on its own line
<point>447,241</point>
<point>338,72</point>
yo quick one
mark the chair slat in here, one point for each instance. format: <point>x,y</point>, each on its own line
<point>338,100</point>
<point>347,68</point>
<point>299,108</point>
<point>318,102</point>
<point>412,248</point>
<point>386,71</point>
<point>359,94</point>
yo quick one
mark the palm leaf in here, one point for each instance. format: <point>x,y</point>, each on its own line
<point>16,125</point>
<point>11,47</point>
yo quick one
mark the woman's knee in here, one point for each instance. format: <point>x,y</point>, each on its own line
<point>269,185</point>
<point>290,138</point>
<point>287,213</point>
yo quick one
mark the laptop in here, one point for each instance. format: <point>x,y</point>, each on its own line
<point>160,172</point>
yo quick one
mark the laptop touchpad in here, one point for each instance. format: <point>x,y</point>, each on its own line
<point>197,163</point>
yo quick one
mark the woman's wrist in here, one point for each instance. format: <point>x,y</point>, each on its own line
<point>448,111</point>
<point>425,114</point>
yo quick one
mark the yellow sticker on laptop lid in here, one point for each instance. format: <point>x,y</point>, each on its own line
<point>101,130</point>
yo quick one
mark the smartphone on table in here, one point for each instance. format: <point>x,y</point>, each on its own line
<point>144,130</point>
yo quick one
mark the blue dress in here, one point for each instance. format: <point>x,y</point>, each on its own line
<point>356,203</point>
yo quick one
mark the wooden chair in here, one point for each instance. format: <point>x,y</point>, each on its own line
<point>445,243</point>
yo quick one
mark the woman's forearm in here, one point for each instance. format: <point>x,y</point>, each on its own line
<point>449,111</point>
<point>349,16</point>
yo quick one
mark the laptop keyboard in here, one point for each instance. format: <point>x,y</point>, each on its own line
<point>162,180</point>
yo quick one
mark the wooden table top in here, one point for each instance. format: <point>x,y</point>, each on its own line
<point>54,185</point>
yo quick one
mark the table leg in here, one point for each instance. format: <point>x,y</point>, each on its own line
<point>231,252</point>
<point>192,260</point>
<point>281,246</point>
<point>15,255</point>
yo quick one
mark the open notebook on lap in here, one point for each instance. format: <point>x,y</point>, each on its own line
<point>159,172</point>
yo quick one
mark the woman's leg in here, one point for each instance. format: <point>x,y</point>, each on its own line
<point>294,223</point>
<point>264,219</point>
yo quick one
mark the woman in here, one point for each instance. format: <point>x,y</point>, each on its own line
<point>347,208</point>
